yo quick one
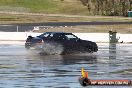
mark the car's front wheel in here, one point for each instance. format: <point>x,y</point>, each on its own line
<point>89,48</point>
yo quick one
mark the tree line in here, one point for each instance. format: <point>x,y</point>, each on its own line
<point>108,7</point>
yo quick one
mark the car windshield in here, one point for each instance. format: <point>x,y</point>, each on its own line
<point>71,37</point>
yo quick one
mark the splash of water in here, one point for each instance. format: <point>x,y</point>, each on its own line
<point>49,48</point>
<point>55,48</point>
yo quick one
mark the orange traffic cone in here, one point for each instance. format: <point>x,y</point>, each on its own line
<point>85,81</point>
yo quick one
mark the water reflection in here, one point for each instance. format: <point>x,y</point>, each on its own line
<point>57,70</point>
<point>49,60</point>
<point>112,50</point>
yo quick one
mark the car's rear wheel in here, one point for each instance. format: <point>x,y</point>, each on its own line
<point>27,45</point>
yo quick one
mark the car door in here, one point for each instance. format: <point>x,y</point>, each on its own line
<point>67,44</point>
<point>77,44</point>
<point>73,42</point>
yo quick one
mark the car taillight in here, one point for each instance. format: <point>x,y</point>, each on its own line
<point>40,42</point>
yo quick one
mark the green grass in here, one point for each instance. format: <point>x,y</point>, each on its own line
<point>33,5</point>
<point>45,6</point>
<point>74,7</point>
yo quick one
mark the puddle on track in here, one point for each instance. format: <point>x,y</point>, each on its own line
<point>21,69</point>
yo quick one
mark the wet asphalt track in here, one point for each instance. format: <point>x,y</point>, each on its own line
<point>20,68</point>
<point>30,26</point>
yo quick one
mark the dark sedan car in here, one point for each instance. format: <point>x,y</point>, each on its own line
<point>70,42</point>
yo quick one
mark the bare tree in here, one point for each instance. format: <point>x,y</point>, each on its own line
<point>108,7</point>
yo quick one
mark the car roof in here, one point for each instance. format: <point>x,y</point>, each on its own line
<point>58,33</point>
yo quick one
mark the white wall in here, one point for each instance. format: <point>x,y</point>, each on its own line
<point>104,37</point>
<point>16,35</point>
<point>96,37</point>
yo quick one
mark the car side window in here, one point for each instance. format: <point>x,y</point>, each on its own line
<point>50,36</point>
<point>58,37</point>
<point>63,37</point>
<point>54,36</point>
<point>44,35</point>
